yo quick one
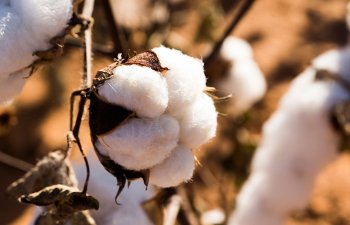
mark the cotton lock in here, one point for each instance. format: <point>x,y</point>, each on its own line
<point>27,26</point>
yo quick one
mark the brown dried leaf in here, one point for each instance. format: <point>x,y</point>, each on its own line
<point>64,198</point>
<point>52,169</point>
<point>148,59</point>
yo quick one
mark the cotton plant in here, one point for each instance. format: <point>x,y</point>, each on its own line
<point>298,141</point>
<point>244,80</point>
<point>148,116</point>
<point>26,28</point>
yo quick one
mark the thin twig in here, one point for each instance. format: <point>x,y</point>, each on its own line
<point>87,14</point>
<point>242,11</point>
<point>15,162</point>
<point>97,48</point>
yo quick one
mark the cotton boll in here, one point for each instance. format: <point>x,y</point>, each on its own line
<point>12,85</point>
<point>252,201</point>
<point>185,77</point>
<point>124,13</point>
<point>244,79</point>
<point>177,168</point>
<point>298,141</point>
<point>136,88</point>
<point>102,186</point>
<point>198,123</point>
<point>235,48</point>
<point>246,83</point>
<point>27,26</point>
<point>141,143</point>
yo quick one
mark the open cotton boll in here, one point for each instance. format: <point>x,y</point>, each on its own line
<point>198,123</point>
<point>244,79</point>
<point>27,26</point>
<point>298,141</point>
<point>141,143</point>
<point>185,77</point>
<point>137,88</point>
<point>130,212</point>
<point>235,48</point>
<point>174,170</point>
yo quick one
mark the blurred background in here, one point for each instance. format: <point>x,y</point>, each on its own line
<point>285,36</point>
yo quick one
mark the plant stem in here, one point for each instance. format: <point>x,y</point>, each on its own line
<point>242,11</point>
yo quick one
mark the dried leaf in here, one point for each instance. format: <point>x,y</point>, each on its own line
<point>148,59</point>
<point>52,169</point>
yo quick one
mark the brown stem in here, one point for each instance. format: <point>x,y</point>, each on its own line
<point>242,11</point>
<point>15,162</point>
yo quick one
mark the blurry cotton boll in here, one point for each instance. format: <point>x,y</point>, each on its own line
<point>142,143</point>
<point>27,26</point>
<point>298,141</point>
<point>185,78</point>
<point>244,79</point>
<point>166,113</point>
<point>132,14</point>
<point>198,123</point>
<point>177,168</point>
<point>137,88</point>
<point>130,212</point>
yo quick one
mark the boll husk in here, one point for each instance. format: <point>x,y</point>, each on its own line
<point>244,79</point>
<point>298,141</point>
<point>27,26</point>
<point>169,114</point>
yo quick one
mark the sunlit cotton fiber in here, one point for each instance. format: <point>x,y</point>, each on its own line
<point>174,170</point>
<point>298,141</point>
<point>142,143</point>
<point>244,79</point>
<point>137,88</point>
<point>185,77</point>
<point>198,123</point>
<point>27,26</point>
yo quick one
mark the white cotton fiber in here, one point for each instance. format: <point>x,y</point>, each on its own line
<point>174,170</point>
<point>137,88</point>
<point>103,186</point>
<point>185,77</point>
<point>234,48</point>
<point>142,143</point>
<point>198,123</point>
<point>244,79</point>
<point>27,26</point>
<point>298,141</point>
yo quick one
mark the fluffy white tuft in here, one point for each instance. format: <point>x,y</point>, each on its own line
<point>235,48</point>
<point>298,141</point>
<point>198,123</point>
<point>141,143</point>
<point>185,77</point>
<point>27,26</point>
<point>174,170</point>
<point>137,88</point>
<point>244,79</point>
